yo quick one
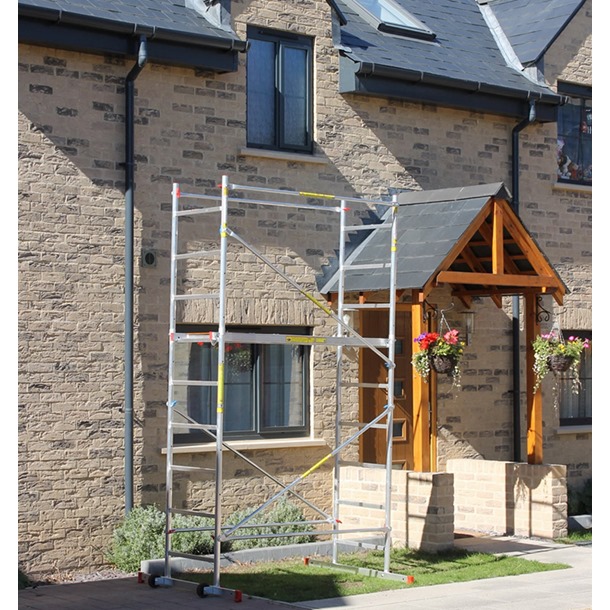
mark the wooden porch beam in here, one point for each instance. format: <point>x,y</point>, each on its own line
<point>496,279</point>
<point>497,242</point>
<point>534,400</point>
<point>421,423</point>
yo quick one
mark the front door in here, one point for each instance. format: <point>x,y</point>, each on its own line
<point>373,400</point>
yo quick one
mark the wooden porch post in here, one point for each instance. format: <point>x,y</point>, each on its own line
<point>534,400</point>
<point>421,420</point>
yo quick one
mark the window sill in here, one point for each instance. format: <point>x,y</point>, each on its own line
<point>283,156</point>
<point>251,445</point>
<point>575,429</point>
<point>574,188</point>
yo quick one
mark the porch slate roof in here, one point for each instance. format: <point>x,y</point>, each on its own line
<point>429,226</point>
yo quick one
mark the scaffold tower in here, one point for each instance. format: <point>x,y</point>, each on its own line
<point>231,196</point>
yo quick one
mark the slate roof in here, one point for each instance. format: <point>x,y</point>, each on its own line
<point>464,54</point>
<point>165,19</point>
<point>429,223</point>
<point>532,25</point>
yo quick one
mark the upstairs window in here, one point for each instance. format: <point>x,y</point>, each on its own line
<point>574,136</point>
<point>389,16</point>
<point>279,91</point>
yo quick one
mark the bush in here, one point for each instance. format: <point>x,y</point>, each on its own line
<point>580,501</point>
<point>280,512</point>
<point>24,581</point>
<point>141,534</point>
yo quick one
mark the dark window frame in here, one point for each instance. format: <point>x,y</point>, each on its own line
<point>283,41</point>
<point>259,430</point>
<point>570,163</point>
<point>413,29</point>
<point>585,396</point>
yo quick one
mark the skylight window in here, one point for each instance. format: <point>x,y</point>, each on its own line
<point>389,16</point>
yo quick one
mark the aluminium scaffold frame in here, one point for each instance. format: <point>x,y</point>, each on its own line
<point>346,336</point>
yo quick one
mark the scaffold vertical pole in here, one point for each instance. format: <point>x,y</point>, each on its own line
<point>220,401</point>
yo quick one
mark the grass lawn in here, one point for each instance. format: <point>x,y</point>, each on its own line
<point>293,581</point>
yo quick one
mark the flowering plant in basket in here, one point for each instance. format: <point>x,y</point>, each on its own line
<point>439,352</point>
<point>553,354</point>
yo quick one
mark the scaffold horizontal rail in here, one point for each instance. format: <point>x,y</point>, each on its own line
<point>182,468</point>
<point>361,464</point>
<point>277,339</point>
<point>357,504</point>
<point>372,386</point>
<point>198,211</point>
<point>352,267</point>
<point>193,382</point>
<point>192,426</point>
<point>287,192</point>
<point>371,227</point>
<point>197,254</point>
<point>191,512</point>
<point>357,306</point>
<point>196,297</point>
<point>356,570</point>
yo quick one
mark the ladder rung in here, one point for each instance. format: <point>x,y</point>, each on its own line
<point>192,469</point>
<point>361,464</point>
<point>368,227</point>
<point>364,545</point>
<point>355,306</point>
<point>186,511</point>
<point>367,266</point>
<point>375,386</point>
<point>195,297</point>
<point>361,504</point>
<point>197,211</point>
<point>359,424</point>
<point>189,426</point>
<point>197,254</point>
<point>194,382</point>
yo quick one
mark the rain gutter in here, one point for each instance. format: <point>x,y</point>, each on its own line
<point>129,265</point>
<point>517,129</point>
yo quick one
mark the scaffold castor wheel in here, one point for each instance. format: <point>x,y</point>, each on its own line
<point>152,581</point>
<point>201,589</point>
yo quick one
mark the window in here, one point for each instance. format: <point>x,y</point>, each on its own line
<point>279,91</point>
<point>389,16</point>
<point>266,386</point>
<point>576,409</point>
<point>574,136</point>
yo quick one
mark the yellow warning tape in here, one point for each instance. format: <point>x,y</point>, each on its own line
<point>320,195</point>
<point>302,339</point>
<point>221,388</point>
<point>316,466</point>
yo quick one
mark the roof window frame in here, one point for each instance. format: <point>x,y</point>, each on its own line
<point>412,28</point>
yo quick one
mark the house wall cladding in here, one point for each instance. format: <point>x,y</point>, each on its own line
<point>190,128</point>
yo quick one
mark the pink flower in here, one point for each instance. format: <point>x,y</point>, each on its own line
<point>451,337</point>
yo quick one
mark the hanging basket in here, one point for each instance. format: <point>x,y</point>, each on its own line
<point>559,363</point>
<point>443,364</point>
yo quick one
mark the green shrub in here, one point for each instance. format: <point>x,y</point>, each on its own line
<point>24,581</point>
<point>141,534</point>
<point>280,512</point>
<point>580,501</point>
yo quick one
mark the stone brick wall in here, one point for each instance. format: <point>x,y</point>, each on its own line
<point>507,498</point>
<point>190,128</point>
<point>421,512</point>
